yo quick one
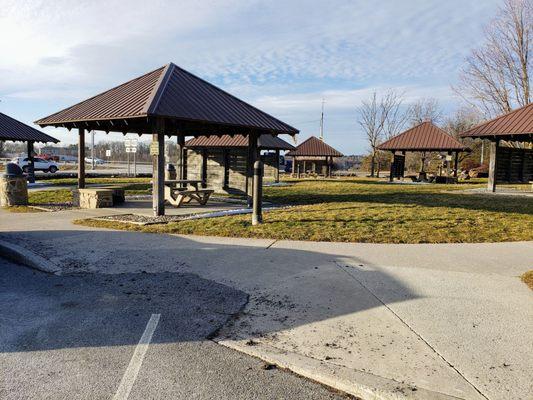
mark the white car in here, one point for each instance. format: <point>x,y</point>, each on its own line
<point>39,164</point>
<point>97,161</point>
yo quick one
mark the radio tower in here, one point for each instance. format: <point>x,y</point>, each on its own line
<point>322,122</point>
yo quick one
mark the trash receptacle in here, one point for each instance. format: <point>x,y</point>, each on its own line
<point>13,187</point>
<point>170,172</point>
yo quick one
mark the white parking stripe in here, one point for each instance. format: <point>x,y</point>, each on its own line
<point>136,360</point>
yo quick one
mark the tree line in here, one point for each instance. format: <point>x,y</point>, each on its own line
<point>494,80</point>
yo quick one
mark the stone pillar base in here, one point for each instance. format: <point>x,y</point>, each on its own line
<point>13,191</point>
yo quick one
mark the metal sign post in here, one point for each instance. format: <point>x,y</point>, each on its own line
<point>131,147</point>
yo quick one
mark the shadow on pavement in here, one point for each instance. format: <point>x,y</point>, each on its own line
<point>117,279</point>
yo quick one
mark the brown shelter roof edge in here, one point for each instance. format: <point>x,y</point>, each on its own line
<point>171,93</point>
<point>314,147</point>
<point>517,124</point>
<point>265,142</point>
<point>423,137</point>
<point>11,129</point>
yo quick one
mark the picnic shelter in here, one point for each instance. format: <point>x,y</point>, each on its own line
<point>222,162</point>
<point>16,131</point>
<point>168,101</point>
<point>424,138</point>
<point>313,157</point>
<point>511,146</point>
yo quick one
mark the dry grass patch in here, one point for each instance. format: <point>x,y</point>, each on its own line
<point>367,211</point>
<point>527,278</point>
<point>22,209</point>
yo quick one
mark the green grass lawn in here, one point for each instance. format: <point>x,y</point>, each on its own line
<point>360,210</point>
<point>132,185</point>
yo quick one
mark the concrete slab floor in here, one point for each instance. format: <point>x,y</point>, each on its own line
<point>424,315</point>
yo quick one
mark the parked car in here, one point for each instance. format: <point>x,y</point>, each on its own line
<point>39,164</point>
<point>97,161</point>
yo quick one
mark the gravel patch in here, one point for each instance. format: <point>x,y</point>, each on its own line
<point>164,219</point>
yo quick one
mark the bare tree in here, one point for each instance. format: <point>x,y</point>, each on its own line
<point>380,117</point>
<point>496,77</point>
<point>396,115</point>
<point>426,109</point>
<point>462,120</point>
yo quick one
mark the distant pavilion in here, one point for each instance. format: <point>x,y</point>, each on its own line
<point>508,163</point>
<point>168,101</point>
<point>313,156</point>
<point>16,131</point>
<point>424,138</point>
<point>222,162</point>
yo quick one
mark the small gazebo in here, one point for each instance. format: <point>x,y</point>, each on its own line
<point>424,138</point>
<point>511,154</point>
<point>222,162</point>
<point>16,131</point>
<point>313,156</point>
<point>166,102</point>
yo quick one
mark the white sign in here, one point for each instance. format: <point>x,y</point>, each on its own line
<point>130,142</point>
<point>108,153</point>
<point>131,149</point>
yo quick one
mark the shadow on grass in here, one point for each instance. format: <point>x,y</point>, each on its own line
<point>483,202</point>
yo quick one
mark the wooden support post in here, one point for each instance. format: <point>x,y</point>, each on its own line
<point>448,162</point>
<point>225,158</point>
<point>252,157</point>
<point>81,159</point>
<point>31,163</point>
<point>185,155</point>
<point>158,167</point>
<point>204,168</point>
<point>493,165</point>
<point>523,168</point>
<point>304,167</point>
<point>181,151</point>
<point>294,166</point>
<point>391,173</point>
<point>257,212</point>
<point>276,171</point>
<point>456,164</point>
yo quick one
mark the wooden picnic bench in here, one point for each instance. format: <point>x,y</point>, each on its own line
<point>182,191</point>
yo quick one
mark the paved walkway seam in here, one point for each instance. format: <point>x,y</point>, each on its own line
<point>412,330</point>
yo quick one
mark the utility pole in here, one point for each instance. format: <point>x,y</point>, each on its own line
<point>322,121</point>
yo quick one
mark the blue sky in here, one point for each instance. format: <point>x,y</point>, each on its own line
<point>281,56</point>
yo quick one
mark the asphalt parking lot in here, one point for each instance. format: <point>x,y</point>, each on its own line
<point>136,336</point>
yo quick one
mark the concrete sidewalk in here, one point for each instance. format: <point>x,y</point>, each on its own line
<point>389,321</point>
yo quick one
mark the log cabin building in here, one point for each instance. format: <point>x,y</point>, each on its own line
<point>222,162</point>
<point>511,146</point>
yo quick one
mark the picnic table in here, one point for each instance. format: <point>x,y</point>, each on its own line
<point>182,191</point>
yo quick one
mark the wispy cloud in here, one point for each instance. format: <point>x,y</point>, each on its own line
<point>283,56</point>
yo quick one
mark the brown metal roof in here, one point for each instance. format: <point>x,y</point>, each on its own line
<point>11,129</point>
<point>172,93</point>
<point>423,137</point>
<point>265,142</point>
<point>314,147</point>
<point>517,124</point>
